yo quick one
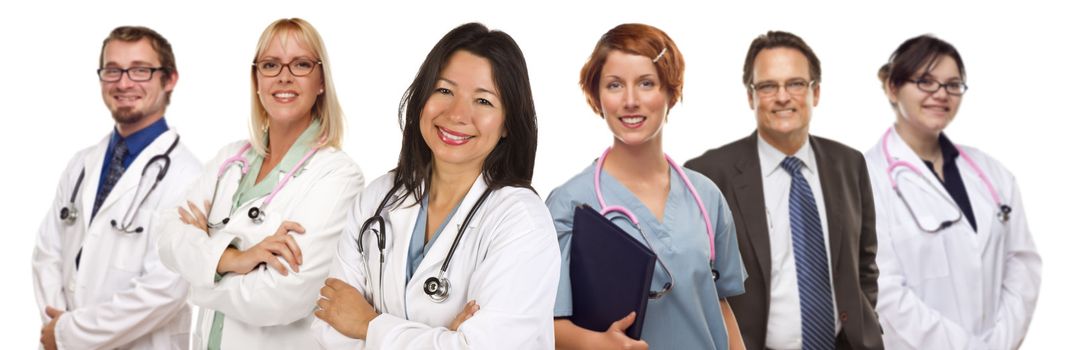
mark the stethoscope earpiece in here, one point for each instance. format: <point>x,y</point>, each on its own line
<point>115,225</point>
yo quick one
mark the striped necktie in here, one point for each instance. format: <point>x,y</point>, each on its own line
<point>811,262</point>
<point>115,171</point>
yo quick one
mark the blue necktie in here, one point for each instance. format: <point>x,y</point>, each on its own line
<point>115,171</point>
<point>811,262</point>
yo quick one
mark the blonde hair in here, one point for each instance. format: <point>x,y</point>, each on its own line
<point>326,108</point>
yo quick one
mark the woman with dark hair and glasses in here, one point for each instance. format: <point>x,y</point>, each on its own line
<point>632,80</point>
<point>452,248</point>
<point>959,269</point>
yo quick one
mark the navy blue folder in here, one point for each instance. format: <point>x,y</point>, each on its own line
<point>610,273</point>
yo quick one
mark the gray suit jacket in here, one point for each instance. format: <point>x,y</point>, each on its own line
<point>845,183</point>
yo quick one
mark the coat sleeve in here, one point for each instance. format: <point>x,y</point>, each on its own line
<point>264,297</point>
<point>347,267</point>
<point>48,249</point>
<point>515,285</point>
<point>1021,283</point>
<point>907,321</point>
<point>188,250</point>
<point>868,270</point>
<point>153,298</point>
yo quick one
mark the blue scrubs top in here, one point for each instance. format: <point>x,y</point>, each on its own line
<point>689,317</point>
<point>416,252</point>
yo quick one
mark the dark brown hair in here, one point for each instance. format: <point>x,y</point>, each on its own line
<point>511,163</point>
<point>158,42</point>
<point>914,54</point>
<point>775,39</point>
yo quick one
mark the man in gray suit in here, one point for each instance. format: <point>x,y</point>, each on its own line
<point>803,211</point>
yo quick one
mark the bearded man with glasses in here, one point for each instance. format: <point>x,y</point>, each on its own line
<point>98,281</point>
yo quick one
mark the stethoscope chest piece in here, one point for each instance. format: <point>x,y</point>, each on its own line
<point>436,288</point>
<point>1005,213</point>
<point>68,215</point>
<point>256,215</point>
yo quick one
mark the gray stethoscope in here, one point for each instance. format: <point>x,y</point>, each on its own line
<point>70,213</point>
<point>1003,210</point>
<point>256,213</point>
<point>437,287</point>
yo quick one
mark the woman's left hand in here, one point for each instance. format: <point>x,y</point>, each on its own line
<point>345,309</point>
<point>195,217</point>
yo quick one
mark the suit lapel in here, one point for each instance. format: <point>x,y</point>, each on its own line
<point>750,198</point>
<point>831,188</point>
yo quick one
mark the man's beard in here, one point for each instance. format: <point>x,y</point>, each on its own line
<point>127,115</point>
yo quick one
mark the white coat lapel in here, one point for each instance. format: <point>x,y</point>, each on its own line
<point>433,260</point>
<point>925,194</point>
<point>92,164</point>
<point>399,225</point>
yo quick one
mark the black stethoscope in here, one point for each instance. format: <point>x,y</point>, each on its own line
<point>69,213</point>
<point>436,287</point>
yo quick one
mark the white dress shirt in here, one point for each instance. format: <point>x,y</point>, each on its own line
<point>784,330</point>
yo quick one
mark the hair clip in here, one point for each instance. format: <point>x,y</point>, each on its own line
<point>655,59</point>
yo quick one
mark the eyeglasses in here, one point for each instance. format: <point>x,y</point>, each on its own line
<point>955,88</point>
<point>299,67</point>
<point>796,87</point>
<point>113,74</point>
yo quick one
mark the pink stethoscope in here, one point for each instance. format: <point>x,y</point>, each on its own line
<point>1003,210</point>
<point>256,213</point>
<point>605,209</point>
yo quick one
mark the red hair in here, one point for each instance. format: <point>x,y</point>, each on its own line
<point>635,39</point>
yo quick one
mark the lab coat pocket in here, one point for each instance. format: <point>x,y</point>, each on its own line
<point>922,255</point>
<point>128,250</point>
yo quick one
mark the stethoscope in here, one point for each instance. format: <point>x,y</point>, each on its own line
<point>256,213</point>
<point>69,213</point>
<point>1003,210</point>
<point>436,287</point>
<point>605,209</point>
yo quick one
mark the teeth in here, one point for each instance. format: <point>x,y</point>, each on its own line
<point>285,95</point>
<point>632,120</point>
<point>453,137</point>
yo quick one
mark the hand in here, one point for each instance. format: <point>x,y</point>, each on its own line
<point>615,338</point>
<point>48,332</point>
<point>468,312</point>
<point>345,309</point>
<point>195,217</point>
<point>280,244</point>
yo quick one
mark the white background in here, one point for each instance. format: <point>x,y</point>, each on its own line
<point>1018,57</point>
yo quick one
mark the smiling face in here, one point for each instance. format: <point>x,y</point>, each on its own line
<point>463,119</point>
<point>783,115</point>
<point>132,103</point>
<point>632,99</point>
<point>288,98</point>
<point>924,112</point>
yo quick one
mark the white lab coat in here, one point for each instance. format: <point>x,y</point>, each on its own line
<point>955,289</point>
<point>120,296</point>
<point>508,261</point>
<point>263,309</point>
